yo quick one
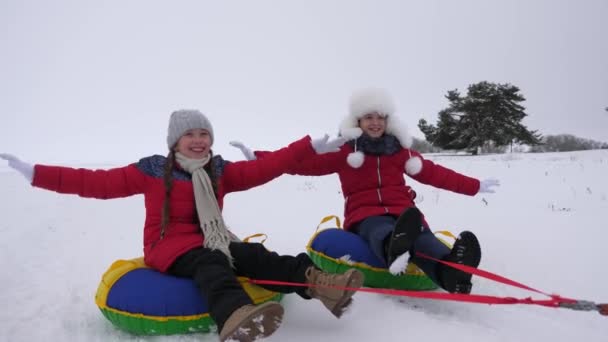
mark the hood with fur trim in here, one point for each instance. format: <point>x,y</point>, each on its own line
<point>376,100</point>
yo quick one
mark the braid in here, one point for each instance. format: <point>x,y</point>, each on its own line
<point>168,178</point>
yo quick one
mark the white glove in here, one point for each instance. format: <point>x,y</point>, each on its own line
<point>24,168</point>
<point>487,184</point>
<point>247,152</point>
<point>324,145</point>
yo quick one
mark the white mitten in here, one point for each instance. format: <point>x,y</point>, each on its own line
<point>27,170</point>
<point>247,152</point>
<point>324,145</point>
<point>485,186</point>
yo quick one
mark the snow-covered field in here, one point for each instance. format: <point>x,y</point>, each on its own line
<point>545,226</point>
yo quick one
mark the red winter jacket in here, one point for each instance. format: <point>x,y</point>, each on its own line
<point>146,177</point>
<point>378,186</point>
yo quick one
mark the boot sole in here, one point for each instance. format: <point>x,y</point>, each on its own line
<point>407,229</point>
<point>458,281</point>
<point>355,281</point>
<point>260,323</point>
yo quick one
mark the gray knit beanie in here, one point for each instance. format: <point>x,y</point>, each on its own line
<point>183,120</point>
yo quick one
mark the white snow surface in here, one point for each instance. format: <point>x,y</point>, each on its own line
<point>546,226</point>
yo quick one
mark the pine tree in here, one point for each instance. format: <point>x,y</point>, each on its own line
<point>489,115</point>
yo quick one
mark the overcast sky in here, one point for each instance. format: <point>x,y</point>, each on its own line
<point>96,81</point>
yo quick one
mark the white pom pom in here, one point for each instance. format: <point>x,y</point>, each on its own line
<point>399,265</point>
<point>351,133</point>
<point>413,166</point>
<point>355,159</point>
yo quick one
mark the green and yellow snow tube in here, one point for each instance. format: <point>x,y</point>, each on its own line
<point>335,250</point>
<point>143,301</point>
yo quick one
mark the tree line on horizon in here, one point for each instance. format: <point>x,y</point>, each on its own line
<point>488,120</point>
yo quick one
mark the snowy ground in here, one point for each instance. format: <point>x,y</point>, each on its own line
<point>546,227</point>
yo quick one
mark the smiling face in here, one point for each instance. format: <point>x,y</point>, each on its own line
<point>373,124</point>
<point>194,144</point>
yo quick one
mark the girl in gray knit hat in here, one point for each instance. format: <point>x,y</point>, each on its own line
<point>184,231</point>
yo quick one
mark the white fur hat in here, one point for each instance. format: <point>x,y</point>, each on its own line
<point>376,100</point>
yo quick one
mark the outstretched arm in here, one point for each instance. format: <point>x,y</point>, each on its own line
<point>101,184</point>
<point>243,175</point>
<point>443,177</point>
<point>316,165</point>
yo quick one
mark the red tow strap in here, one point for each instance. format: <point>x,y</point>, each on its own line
<point>555,301</point>
<point>494,277</point>
<point>469,298</point>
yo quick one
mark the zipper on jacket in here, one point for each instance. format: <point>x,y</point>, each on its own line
<point>380,185</point>
<point>346,203</point>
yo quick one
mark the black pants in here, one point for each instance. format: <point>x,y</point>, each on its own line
<point>217,280</point>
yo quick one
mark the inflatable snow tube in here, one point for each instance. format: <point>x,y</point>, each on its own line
<point>335,250</point>
<point>143,301</point>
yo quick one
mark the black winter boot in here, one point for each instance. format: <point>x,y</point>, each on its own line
<point>407,229</point>
<point>466,251</point>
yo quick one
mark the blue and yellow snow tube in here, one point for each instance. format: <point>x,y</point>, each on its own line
<point>143,301</point>
<point>335,250</point>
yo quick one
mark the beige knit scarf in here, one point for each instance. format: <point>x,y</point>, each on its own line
<point>217,235</point>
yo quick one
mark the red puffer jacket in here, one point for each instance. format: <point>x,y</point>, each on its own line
<point>146,177</point>
<point>378,187</point>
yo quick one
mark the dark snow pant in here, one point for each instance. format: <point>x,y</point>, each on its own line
<point>217,281</point>
<point>377,229</point>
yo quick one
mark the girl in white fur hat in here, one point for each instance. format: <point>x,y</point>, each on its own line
<point>379,206</point>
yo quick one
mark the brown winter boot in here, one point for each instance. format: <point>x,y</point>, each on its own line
<point>336,300</point>
<point>251,322</point>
